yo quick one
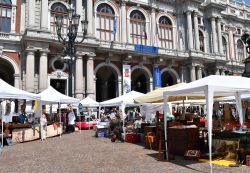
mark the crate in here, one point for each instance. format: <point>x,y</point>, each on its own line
<point>248,160</point>
<point>133,138</point>
<point>101,133</point>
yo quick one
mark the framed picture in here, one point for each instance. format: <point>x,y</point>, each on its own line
<point>192,154</point>
<point>225,148</point>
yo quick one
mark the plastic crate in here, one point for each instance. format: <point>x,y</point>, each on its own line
<point>248,160</point>
<point>101,133</point>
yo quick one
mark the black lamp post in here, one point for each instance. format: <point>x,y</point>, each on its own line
<point>69,40</point>
<point>246,39</point>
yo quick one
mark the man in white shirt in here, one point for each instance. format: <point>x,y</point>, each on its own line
<point>71,121</point>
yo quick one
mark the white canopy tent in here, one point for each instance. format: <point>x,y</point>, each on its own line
<point>50,95</point>
<point>127,98</point>
<point>53,96</point>
<point>89,102</point>
<point>210,87</point>
<point>9,92</point>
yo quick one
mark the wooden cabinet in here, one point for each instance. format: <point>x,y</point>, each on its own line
<point>181,139</point>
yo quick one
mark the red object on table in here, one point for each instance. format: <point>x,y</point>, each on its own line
<point>248,160</point>
<point>132,137</point>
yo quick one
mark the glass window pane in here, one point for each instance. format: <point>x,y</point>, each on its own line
<point>107,23</point>
<point>8,28</point>
<point>3,12</point>
<point>9,13</point>
<point>102,22</point>
<point>97,22</point>
<point>98,34</point>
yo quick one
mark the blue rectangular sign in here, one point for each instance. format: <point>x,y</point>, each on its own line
<point>143,48</point>
<point>157,77</point>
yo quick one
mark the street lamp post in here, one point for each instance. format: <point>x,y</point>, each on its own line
<point>246,39</point>
<point>68,40</point>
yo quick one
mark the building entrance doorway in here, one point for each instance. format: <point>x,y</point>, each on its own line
<point>7,72</point>
<point>60,85</point>
<point>168,79</point>
<point>106,84</point>
<point>139,81</point>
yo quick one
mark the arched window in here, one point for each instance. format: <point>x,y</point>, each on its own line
<point>106,23</point>
<point>5,15</point>
<point>201,38</point>
<point>224,43</point>
<point>58,9</point>
<point>240,50</point>
<point>165,32</point>
<point>138,27</point>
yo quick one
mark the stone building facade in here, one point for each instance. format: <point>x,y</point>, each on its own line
<point>184,40</point>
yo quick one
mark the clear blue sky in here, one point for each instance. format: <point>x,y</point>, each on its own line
<point>247,2</point>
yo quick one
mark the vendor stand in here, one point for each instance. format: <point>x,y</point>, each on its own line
<point>208,88</point>
<point>50,95</point>
<point>9,92</point>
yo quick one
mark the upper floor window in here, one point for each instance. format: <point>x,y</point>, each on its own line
<point>240,51</point>
<point>58,9</point>
<point>201,38</point>
<point>138,27</point>
<point>224,42</point>
<point>105,22</point>
<point>5,17</point>
<point>166,32</point>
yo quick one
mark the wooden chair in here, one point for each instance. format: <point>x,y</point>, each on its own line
<point>150,138</point>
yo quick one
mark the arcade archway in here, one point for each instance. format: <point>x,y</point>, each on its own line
<point>168,78</point>
<point>106,83</point>
<point>7,72</point>
<point>140,81</point>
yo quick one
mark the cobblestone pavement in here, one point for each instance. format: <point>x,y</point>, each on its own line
<point>81,152</point>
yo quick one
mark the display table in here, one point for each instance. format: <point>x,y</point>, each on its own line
<point>183,138</point>
<point>26,134</point>
<point>53,130</point>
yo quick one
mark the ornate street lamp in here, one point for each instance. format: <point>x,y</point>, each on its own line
<point>246,39</point>
<point>68,40</point>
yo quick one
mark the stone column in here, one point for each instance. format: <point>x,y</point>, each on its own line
<point>30,70</point>
<point>223,72</point>
<point>196,31</point>
<point>79,77</point>
<point>215,45</point>
<point>17,80</point>
<point>90,17</point>
<point>44,15</point>
<point>183,74</point>
<point>90,76</point>
<point>190,30</point>
<point>192,73</point>
<point>43,71</point>
<point>79,12</point>
<point>119,85</point>
<point>153,27</point>
<point>31,12</point>
<point>231,44</point>
<point>123,22</point>
<point>199,72</point>
<point>219,35</point>
<point>151,84</point>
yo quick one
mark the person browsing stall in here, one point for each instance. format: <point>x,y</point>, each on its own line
<point>22,118</point>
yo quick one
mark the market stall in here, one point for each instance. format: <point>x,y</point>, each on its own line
<point>50,95</point>
<point>208,88</point>
<point>9,92</point>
